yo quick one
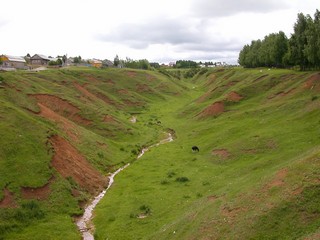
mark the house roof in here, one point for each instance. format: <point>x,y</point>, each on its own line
<point>15,58</point>
<point>44,57</point>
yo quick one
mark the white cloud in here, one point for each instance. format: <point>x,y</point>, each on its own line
<point>157,30</point>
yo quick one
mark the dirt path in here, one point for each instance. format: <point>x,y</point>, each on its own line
<point>84,223</point>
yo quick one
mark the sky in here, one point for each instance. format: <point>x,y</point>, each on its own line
<point>160,31</point>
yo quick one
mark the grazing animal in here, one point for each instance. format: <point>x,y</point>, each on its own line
<point>195,149</point>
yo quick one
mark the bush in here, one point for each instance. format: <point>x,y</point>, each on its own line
<point>170,174</point>
<point>182,179</point>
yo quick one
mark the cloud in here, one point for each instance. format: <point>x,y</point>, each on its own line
<point>3,23</point>
<point>154,31</point>
<point>190,38</point>
<point>225,8</point>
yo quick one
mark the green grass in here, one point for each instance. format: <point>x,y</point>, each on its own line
<point>171,192</point>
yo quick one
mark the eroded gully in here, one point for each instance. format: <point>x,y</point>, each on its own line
<point>84,223</point>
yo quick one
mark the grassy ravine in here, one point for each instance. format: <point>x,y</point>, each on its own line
<point>256,175</point>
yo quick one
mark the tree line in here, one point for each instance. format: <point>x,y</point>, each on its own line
<point>302,49</point>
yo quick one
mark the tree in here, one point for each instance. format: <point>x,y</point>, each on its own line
<point>116,61</point>
<point>77,59</point>
<point>312,48</point>
<point>298,41</point>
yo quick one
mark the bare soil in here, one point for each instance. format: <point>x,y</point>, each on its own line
<point>61,107</point>
<point>222,153</point>
<point>313,82</point>
<point>214,109</point>
<point>234,97</point>
<point>70,163</point>
<point>40,193</point>
<point>8,201</point>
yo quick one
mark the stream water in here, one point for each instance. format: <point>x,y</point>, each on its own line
<point>84,223</point>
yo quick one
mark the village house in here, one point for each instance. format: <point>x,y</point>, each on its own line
<point>39,59</point>
<point>13,62</point>
<point>96,63</point>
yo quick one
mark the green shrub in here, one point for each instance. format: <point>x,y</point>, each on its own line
<point>182,179</point>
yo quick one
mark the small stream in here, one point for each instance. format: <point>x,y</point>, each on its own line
<point>84,223</point>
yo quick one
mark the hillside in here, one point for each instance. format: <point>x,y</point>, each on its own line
<point>256,175</point>
<point>63,131</point>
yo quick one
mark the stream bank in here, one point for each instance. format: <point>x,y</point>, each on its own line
<point>84,223</point>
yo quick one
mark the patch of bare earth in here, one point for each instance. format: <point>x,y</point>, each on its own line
<point>315,236</point>
<point>106,99</point>
<point>109,119</point>
<point>66,125</point>
<point>221,153</point>
<point>40,193</point>
<point>131,73</point>
<point>8,200</point>
<point>123,91</point>
<point>143,88</point>
<point>61,107</point>
<point>214,109</point>
<point>313,82</point>
<point>70,163</point>
<point>84,91</point>
<point>234,97</point>
<point>278,180</point>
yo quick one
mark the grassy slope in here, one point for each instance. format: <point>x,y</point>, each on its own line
<point>267,187</point>
<point>26,154</point>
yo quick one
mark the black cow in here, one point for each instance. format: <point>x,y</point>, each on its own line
<point>195,149</point>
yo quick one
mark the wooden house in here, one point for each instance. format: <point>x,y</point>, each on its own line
<point>39,59</point>
<point>13,62</point>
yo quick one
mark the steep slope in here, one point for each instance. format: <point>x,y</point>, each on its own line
<point>255,177</point>
<point>63,131</point>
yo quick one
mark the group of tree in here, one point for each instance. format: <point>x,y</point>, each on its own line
<point>130,63</point>
<point>186,64</point>
<point>302,49</point>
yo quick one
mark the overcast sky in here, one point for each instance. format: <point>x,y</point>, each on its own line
<point>162,30</point>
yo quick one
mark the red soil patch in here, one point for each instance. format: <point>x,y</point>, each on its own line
<point>66,125</point>
<point>61,107</point>
<point>84,91</point>
<point>123,91</point>
<point>231,213</point>
<point>222,153</point>
<point>143,88</point>
<point>313,82</point>
<point>278,179</point>
<point>212,198</point>
<point>234,97</point>
<point>70,163</point>
<point>110,82</point>
<point>109,119</point>
<point>105,99</point>
<point>232,83</point>
<point>40,193</point>
<point>8,200</point>
<point>214,109</point>
<point>131,73</point>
